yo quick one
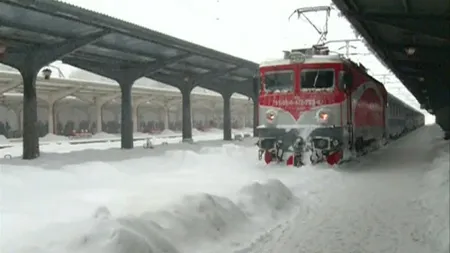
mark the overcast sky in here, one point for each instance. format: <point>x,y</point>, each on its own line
<point>252,29</point>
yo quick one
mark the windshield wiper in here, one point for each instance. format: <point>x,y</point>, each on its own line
<point>315,79</point>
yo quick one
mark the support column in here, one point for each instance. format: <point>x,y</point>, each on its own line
<point>30,117</point>
<point>99,117</point>
<point>166,117</point>
<point>20,123</point>
<point>18,111</point>
<point>227,116</point>
<point>29,62</point>
<point>126,129</point>
<point>51,117</point>
<point>186,114</point>
<point>135,118</point>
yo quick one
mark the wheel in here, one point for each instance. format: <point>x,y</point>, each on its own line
<point>298,161</point>
<point>314,158</point>
<point>359,145</point>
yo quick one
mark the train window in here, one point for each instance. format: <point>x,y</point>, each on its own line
<point>317,78</point>
<point>279,81</point>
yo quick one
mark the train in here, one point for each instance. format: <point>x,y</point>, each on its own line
<point>318,107</point>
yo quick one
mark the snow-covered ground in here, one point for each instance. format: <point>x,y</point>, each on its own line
<point>216,197</point>
<point>61,144</point>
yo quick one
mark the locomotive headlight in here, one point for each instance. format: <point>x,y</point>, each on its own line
<point>323,116</point>
<point>271,115</point>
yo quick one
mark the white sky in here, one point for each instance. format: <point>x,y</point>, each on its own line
<point>252,29</point>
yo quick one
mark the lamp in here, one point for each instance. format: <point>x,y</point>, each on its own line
<point>47,73</point>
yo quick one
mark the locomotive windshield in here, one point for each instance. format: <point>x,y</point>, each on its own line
<point>282,81</point>
<point>316,78</point>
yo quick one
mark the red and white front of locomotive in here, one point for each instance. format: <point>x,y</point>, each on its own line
<point>302,96</point>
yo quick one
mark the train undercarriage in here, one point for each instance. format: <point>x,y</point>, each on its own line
<point>321,145</point>
<point>295,148</point>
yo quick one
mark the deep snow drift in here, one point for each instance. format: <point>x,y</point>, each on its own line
<point>393,200</point>
<point>176,202</point>
<point>220,199</point>
<point>3,139</point>
<point>435,198</point>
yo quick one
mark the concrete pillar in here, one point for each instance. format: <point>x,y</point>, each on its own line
<point>166,112</point>
<point>135,118</point>
<point>126,129</point>
<point>186,113</point>
<point>99,117</point>
<point>51,117</point>
<point>19,117</point>
<point>20,121</point>
<point>29,63</point>
<point>227,116</point>
<point>30,116</point>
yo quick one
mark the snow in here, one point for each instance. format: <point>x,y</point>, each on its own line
<point>216,197</point>
<point>167,132</point>
<point>141,135</point>
<point>67,147</point>
<point>103,135</point>
<point>435,200</point>
<point>138,207</point>
<point>373,205</point>
<point>196,131</point>
<point>215,130</point>
<point>54,137</point>
<point>3,139</point>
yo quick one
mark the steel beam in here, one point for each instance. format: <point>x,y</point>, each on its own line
<point>218,87</point>
<point>434,27</point>
<point>36,58</point>
<point>213,74</point>
<point>161,63</point>
<point>399,16</point>
<point>423,57</point>
<point>427,66</point>
<point>420,49</point>
<point>118,73</point>
<point>125,50</point>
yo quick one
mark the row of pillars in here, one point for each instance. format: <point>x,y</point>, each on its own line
<point>52,112</point>
<point>128,117</point>
<point>29,61</point>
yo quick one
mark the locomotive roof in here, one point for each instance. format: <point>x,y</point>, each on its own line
<point>308,60</point>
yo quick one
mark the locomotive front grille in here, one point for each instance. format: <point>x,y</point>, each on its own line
<point>321,143</point>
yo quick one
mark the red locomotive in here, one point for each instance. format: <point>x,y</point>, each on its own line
<point>327,106</point>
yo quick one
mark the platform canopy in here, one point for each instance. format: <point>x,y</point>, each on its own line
<point>114,48</point>
<point>412,37</point>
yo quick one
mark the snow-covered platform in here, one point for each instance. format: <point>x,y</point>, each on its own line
<point>214,196</point>
<point>105,141</point>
